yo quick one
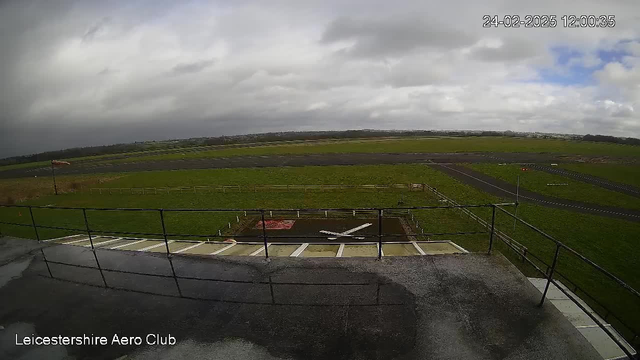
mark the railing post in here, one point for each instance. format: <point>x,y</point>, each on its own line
<point>550,276</point>
<point>164,231</point>
<point>46,263</point>
<point>379,234</point>
<point>493,226</point>
<point>264,235</point>
<point>93,250</point>
<point>33,222</point>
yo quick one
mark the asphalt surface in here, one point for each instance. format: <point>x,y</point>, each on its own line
<point>421,307</point>
<point>289,160</point>
<point>308,230</point>
<point>506,190</point>
<point>590,179</point>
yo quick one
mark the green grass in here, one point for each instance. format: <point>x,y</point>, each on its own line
<point>376,145</point>
<point>610,243</point>
<point>25,165</point>
<point>626,174</point>
<point>474,144</point>
<point>537,180</point>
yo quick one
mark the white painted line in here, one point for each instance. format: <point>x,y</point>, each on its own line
<point>75,241</point>
<point>418,248</point>
<point>104,242</point>
<point>189,248</point>
<point>340,250</point>
<point>259,250</point>
<point>155,246</point>
<point>133,243</point>
<point>299,250</point>
<point>223,249</point>
<point>458,247</point>
<point>64,238</point>
<point>591,326</point>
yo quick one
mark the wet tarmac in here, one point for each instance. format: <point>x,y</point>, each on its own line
<point>419,307</point>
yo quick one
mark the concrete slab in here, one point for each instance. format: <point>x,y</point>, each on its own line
<point>173,247</point>
<point>553,293</point>
<point>575,315</point>
<point>320,251</point>
<point>605,346</point>
<point>599,339</point>
<point>438,248</point>
<point>360,251</point>
<point>399,250</point>
<point>117,243</point>
<point>140,245</point>
<point>241,250</point>
<point>418,307</point>
<point>280,250</point>
<point>206,248</point>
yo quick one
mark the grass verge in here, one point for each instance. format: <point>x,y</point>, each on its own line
<point>537,181</point>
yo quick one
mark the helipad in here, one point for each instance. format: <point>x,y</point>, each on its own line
<point>288,238</point>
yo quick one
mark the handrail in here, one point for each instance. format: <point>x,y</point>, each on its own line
<point>580,256</point>
<point>374,212</point>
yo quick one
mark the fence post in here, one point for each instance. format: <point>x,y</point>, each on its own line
<point>493,223</point>
<point>33,222</point>
<point>264,235</point>
<point>164,232</point>
<point>550,276</point>
<point>379,234</point>
<point>93,249</point>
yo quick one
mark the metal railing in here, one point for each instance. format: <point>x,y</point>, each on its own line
<point>378,213</point>
<point>551,270</point>
<point>266,239</point>
<point>208,189</point>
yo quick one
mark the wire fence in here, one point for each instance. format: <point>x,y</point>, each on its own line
<point>209,189</point>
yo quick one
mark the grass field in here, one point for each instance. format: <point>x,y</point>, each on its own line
<point>609,242</point>
<point>18,190</point>
<point>476,144</point>
<point>537,180</point>
<point>626,174</point>
<point>389,145</point>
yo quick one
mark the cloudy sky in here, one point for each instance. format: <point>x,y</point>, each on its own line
<point>78,73</point>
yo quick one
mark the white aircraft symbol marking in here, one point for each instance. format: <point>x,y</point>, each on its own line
<point>346,233</point>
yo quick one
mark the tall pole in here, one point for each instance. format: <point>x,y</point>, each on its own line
<point>53,175</point>
<point>517,196</point>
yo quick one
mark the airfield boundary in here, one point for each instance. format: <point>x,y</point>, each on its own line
<point>546,269</point>
<point>207,189</point>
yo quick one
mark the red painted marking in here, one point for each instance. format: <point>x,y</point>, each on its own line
<point>275,224</point>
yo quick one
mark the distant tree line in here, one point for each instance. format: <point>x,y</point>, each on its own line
<point>611,139</point>
<point>290,136</point>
